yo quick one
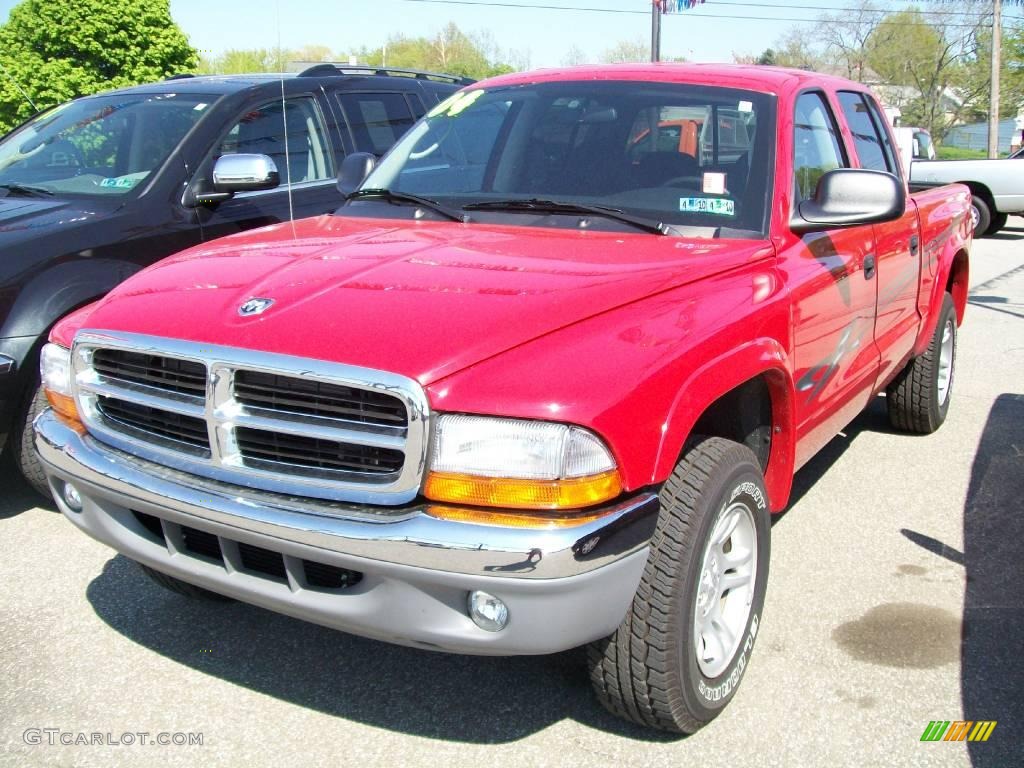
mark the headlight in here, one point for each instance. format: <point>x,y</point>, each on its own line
<point>519,464</point>
<point>55,374</point>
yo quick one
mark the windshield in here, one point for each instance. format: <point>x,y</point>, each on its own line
<point>105,145</point>
<point>691,156</point>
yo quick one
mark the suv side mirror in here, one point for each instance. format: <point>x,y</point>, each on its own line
<point>354,170</point>
<point>243,173</point>
<point>848,197</point>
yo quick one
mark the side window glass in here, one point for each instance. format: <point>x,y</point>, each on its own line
<point>865,136</point>
<point>377,120</point>
<point>418,110</point>
<point>293,137</point>
<point>815,144</point>
<point>885,132</point>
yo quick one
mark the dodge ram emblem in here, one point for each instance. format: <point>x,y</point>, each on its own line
<point>255,307</point>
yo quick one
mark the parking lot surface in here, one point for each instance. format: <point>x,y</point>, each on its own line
<point>896,597</point>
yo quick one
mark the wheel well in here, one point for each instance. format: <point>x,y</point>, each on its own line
<point>957,284</point>
<point>744,415</point>
<point>980,190</point>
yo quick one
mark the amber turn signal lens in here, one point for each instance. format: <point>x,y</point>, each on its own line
<point>66,410</point>
<point>514,493</point>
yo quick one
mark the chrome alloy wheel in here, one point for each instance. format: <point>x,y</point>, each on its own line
<point>944,379</point>
<point>725,590</point>
<point>975,218</point>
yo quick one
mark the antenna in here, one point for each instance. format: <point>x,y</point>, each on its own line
<point>18,86</point>
<point>284,119</point>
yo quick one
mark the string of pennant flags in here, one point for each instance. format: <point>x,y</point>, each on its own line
<point>675,6</point>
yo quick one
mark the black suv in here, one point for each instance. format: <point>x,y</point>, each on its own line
<point>97,188</point>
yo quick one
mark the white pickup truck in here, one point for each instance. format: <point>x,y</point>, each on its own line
<point>997,186</point>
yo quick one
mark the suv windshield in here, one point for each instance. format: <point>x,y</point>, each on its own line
<point>691,156</point>
<point>104,145</point>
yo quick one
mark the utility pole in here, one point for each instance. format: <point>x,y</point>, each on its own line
<point>656,31</point>
<point>993,104</point>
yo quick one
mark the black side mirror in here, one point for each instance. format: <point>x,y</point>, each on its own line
<point>354,170</point>
<point>848,197</point>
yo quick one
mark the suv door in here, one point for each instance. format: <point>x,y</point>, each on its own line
<point>897,243</point>
<point>833,292</point>
<point>294,136</point>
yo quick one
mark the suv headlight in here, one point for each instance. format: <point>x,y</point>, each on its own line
<point>519,464</point>
<point>55,374</point>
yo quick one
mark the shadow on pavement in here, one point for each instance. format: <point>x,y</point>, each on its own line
<point>15,495</point>
<point>472,699</point>
<point>874,418</point>
<point>992,667</point>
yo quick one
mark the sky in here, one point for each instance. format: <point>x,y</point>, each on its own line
<point>545,35</point>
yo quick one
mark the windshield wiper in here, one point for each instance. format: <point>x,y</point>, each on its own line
<point>533,205</point>
<point>26,189</point>
<point>404,197</point>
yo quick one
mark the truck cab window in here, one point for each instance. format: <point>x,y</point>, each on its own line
<point>872,152</point>
<point>816,147</point>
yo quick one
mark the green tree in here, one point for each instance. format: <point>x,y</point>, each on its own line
<point>55,50</point>
<point>450,50</point>
<point>941,68</point>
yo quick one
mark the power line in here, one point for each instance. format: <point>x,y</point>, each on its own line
<point>626,11</point>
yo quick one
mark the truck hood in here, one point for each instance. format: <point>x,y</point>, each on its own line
<point>424,299</point>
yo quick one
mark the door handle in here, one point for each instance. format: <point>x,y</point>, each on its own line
<point>914,244</point>
<point>869,266</point>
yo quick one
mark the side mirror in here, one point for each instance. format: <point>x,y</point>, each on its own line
<point>243,173</point>
<point>848,197</point>
<point>354,170</point>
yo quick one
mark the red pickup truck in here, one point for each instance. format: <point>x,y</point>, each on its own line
<point>539,384</point>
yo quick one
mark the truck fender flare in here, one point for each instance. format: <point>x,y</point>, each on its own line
<point>950,253</point>
<point>57,291</point>
<point>763,356</point>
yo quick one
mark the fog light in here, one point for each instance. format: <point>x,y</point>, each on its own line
<point>72,497</point>
<point>487,611</point>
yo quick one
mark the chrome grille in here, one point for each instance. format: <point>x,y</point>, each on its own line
<point>275,422</point>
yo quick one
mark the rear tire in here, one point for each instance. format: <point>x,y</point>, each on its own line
<point>981,215</point>
<point>998,222</point>
<point>183,587</point>
<point>918,398</point>
<point>681,651</point>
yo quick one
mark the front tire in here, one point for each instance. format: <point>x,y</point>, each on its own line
<point>918,398</point>
<point>23,447</point>
<point>680,653</point>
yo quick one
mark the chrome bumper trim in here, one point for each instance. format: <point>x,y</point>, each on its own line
<point>404,536</point>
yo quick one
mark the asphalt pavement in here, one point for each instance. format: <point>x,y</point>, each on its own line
<point>895,598</point>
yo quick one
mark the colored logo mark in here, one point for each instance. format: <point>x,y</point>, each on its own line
<point>958,730</point>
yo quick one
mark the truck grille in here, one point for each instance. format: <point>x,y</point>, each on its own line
<point>278,423</point>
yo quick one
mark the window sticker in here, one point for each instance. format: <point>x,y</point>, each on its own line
<point>713,205</point>
<point>124,182</point>
<point>455,104</point>
<point>714,184</point>
<point>200,106</point>
<point>745,106</point>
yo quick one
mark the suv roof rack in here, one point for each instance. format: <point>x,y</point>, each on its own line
<point>179,76</point>
<point>332,68</point>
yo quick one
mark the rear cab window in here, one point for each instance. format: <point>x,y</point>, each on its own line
<point>870,138</point>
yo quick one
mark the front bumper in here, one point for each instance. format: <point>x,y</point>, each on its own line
<point>563,586</point>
